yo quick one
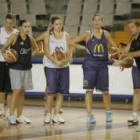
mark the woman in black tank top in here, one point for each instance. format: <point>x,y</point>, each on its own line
<point>20,71</point>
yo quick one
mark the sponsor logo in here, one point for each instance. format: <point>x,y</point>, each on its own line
<point>98,48</point>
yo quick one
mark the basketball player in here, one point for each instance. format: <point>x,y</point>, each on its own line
<point>5,87</point>
<point>133,50</point>
<point>95,68</point>
<point>20,72</point>
<point>56,71</point>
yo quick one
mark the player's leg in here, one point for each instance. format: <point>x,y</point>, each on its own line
<point>133,120</point>
<point>20,117</point>
<point>8,91</point>
<point>103,85</point>
<point>51,84</point>
<point>63,86</point>
<point>89,84</point>
<point>2,90</point>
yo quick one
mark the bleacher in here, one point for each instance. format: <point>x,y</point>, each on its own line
<point>76,14</point>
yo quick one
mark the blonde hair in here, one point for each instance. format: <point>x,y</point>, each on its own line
<point>99,15</point>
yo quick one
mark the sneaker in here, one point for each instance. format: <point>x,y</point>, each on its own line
<point>8,112</point>
<point>47,118</point>
<point>58,119</point>
<point>108,116</point>
<point>12,120</point>
<point>23,119</point>
<point>91,119</point>
<point>2,111</point>
<point>133,120</point>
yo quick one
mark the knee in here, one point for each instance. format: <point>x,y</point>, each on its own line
<point>105,93</point>
<point>136,91</point>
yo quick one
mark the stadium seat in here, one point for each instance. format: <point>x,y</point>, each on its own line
<point>19,8</point>
<point>72,30</point>
<point>90,8</point>
<point>106,7</point>
<point>37,8</point>
<point>123,8</point>
<point>4,8</point>
<point>30,17</point>
<point>72,19</point>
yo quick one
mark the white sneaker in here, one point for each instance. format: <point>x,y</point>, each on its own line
<point>133,119</point>
<point>23,119</point>
<point>8,112</point>
<point>47,118</point>
<point>12,120</point>
<point>57,118</point>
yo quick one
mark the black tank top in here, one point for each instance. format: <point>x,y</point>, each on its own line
<point>23,47</point>
<point>135,46</point>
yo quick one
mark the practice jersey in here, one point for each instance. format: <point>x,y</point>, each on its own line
<point>53,45</point>
<point>23,47</point>
<point>135,46</point>
<point>4,36</point>
<point>98,56</point>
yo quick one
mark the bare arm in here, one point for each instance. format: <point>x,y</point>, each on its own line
<point>46,49</point>
<point>9,42</point>
<point>34,46</point>
<point>41,37</point>
<point>110,40</point>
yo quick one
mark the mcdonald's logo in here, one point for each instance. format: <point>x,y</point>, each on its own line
<point>98,48</point>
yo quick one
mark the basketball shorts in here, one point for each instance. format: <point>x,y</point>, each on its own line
<point>5,85</point>
<point>21,79</point>
<point>136,77</point>
<point>57,80</point>
<point>96,79</point>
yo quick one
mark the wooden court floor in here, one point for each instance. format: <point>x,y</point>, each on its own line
<point>75,128</point>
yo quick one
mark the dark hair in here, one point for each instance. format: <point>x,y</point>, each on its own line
<point>22,21</point>
<point>135,22</point>
<point>53,19</point>
<point>11,16</point>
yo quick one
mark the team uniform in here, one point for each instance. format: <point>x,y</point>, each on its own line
<point>57,78</point>
<point>5,85</point>
<point>135,46</point>
<point>95,68</point>
<point>20,72</point>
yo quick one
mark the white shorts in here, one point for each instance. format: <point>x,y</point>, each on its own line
<point>21,79</point>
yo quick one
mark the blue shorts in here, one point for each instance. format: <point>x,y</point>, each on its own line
<point>57,80</point>
<point>136,77</point>
<point>96,78</point>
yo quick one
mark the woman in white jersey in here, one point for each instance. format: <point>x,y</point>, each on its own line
<point>56,71</point>
<point>5,87</point>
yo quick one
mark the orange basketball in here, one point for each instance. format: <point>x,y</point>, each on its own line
<point>12,56</point>
<point>113,53</point>
<point>59,54</point>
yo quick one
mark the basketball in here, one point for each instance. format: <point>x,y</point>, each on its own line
<point>113,53</point>
<point>59,54</point>
<point>12,56</point>
<point>127,62</point>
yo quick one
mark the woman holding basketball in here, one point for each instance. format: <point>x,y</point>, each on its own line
<point>20,71</point>
<point>5,87</point>
<point>56,63</point>
<point>95,68</point>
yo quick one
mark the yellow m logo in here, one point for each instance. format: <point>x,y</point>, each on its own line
<point>98,48</point>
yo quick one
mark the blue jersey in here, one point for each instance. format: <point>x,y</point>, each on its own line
<point>98,56</point>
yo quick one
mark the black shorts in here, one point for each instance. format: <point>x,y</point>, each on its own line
<point>5,85</point>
